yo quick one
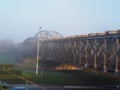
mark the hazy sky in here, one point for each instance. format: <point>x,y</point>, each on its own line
<point>20,19</point>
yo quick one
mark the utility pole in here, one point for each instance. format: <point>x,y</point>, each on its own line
<point>38,51</point>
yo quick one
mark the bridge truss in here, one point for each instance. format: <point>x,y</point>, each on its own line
<point>99,51</point>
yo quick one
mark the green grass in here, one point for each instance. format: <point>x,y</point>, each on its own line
<point>68,77</point>
<point>71,77</point>
<point>46,77</point>
<point>6,76</point>
<point>2,88</point>
<point>85,78</point>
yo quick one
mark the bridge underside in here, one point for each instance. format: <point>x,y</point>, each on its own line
<point>53,65</point>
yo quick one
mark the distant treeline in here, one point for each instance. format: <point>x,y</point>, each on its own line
<point>17,53</point>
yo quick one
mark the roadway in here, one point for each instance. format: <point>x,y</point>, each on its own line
<point>114,87</point>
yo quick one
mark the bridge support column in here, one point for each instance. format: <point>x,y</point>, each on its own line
<point>104,63</point>
<point>95,56</point>
<point>86,63</point>
<point>116,56</point>
<point>95,63</point>
<point>86,54</point>
<point>105,68</point>
<point>80,55</point>
<point>116,65</point>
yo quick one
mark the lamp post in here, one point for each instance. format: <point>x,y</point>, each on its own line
<point>38,48</point>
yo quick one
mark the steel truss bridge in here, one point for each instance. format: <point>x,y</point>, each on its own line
<point>99,51</point>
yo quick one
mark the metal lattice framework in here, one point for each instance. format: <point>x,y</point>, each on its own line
<point>45,35</point>
<point>41,37</point>
<point>100,51</point>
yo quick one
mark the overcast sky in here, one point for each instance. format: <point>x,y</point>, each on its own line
<point>20,19</point>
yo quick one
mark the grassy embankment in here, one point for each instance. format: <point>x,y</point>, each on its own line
<point>65,77</point>
<point>71,77</point>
